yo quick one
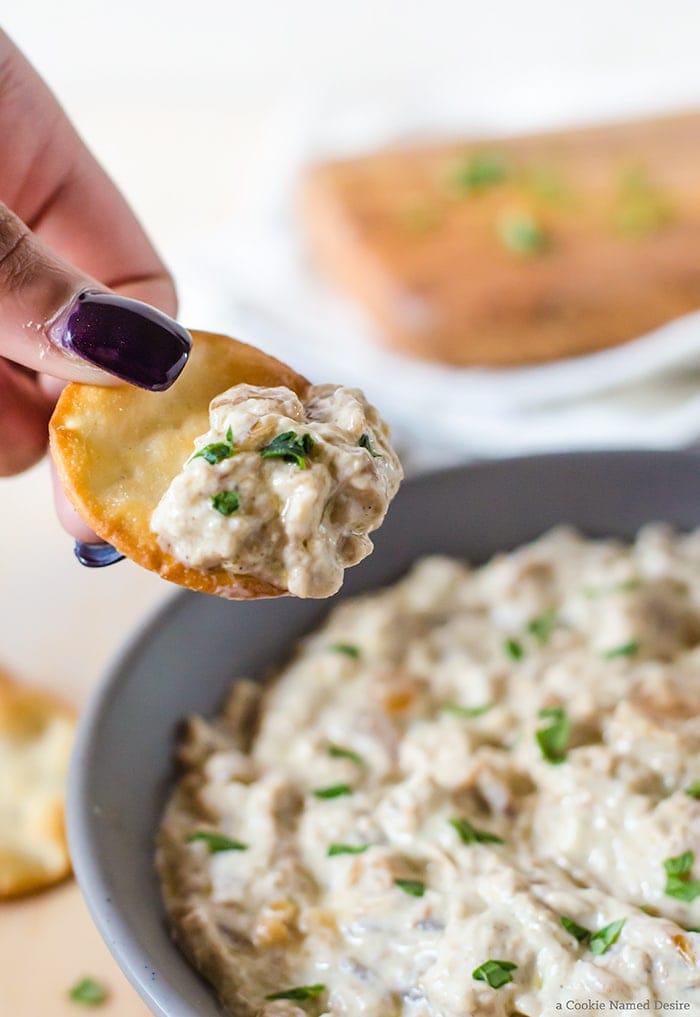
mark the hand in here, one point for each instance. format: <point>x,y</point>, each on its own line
<point>66,236</point>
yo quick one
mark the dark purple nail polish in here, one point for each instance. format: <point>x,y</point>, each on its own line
<point>125,337</point>
<point>96,555</point>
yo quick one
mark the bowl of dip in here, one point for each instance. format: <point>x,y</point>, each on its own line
<point>184,660</point>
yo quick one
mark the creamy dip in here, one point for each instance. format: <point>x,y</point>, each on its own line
<point>477,792</point>
<point>280,489</point>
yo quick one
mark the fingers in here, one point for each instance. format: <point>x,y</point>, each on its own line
<point>64,225</point>
<point>67,516</point>
<point>57,320</point>
<point>24,417</point>
<point>25,407</point>
<point>67,235</point>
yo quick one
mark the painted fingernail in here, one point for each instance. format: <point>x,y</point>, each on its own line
<point>96,555</point>
<point>125,337</point>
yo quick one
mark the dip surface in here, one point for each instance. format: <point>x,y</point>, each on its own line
<point>476,792</point>
<point>283,490</point>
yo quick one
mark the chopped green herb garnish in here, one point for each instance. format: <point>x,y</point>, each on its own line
<point>477,172</point>
<point>365,442</point>
<point>625,650</point>
<point>466,711</point>
<point>553,739</point>
<point>521,234</point>
<point>217,451</point>
<point>340,752</point>
<point>216,842</point>
<point>603,939</point>
<point>577,931</point>
<point>88,991</point>
<point>346,849</point>
<point>543,626</point>
<point>300,993</point>
<point>348,649</point>
<point>513,649</point>
<point>680,865</point>
<point>682,889</point>
<point>678,881</point>
<point>599,942</point>
<point>641,208</point>
<point>334,791</point>
<point>470,835</point>
<point>226,502</point>
<point>290,447</point>
<point>413,887</point>
<point>496,972</point>
<point>693,791</point>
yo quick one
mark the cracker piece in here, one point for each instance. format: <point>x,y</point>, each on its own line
<point>118,448</point>
<point>36,737</point>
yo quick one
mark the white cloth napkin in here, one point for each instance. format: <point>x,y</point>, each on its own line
<point>253,280</point>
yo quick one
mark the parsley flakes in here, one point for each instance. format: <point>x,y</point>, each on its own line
<point>334,791</point>
<point>477,172</point>
<point>413,887</point>
<point>513,649</point>
<point>348,649</point>
<point>346,849</point>
<point>217,451</point>
<point>299,993</point>
<point>553,739</point>
<point>543,626</point>
<point>579,932</point>
<point>598,942</point>
<point>216,842</point>
<point>365,443</point>
<point>495,972</point>
<point>521,234</point>
<point>340,752</point>
<point>641,207</point>
<point>602,940</point>
<point>678,881</point>
<point>290,447</point>
<point>469,834</point>
<point>226,502</point>
<point>89,992</point>
<point>624,650</point>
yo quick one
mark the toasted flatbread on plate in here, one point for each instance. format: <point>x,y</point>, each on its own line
<point>36,737</point>
<point>118,448</point>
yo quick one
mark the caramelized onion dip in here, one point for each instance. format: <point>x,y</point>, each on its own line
<point>475,792</point>
<point>280,489</point>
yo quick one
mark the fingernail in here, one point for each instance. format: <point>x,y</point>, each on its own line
<point>125,337</point>
<point>96,555</point>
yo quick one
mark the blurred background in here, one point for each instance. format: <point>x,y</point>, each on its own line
<point>173,97</point>
<point>203,114</point>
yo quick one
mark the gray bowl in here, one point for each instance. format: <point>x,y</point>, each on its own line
<point>185,658</point>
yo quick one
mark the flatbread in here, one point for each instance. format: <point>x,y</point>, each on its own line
<point>36,737</point>
<point>117,450</point>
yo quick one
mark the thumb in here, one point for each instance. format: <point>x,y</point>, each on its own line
<point>55,320</point>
